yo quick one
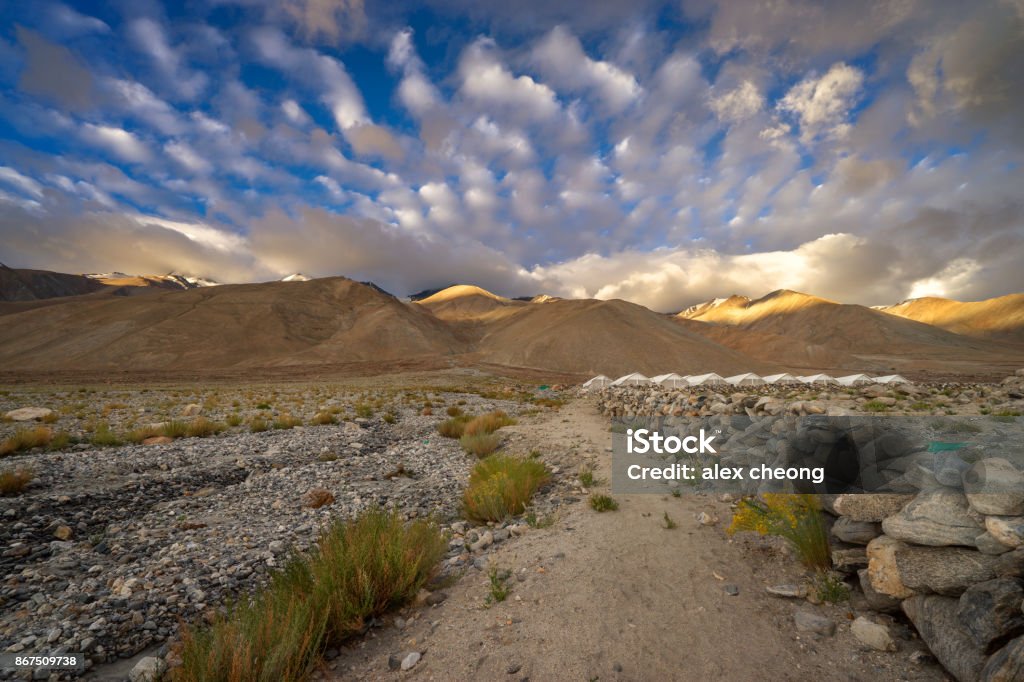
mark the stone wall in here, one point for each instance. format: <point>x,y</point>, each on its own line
<point>950,556</point>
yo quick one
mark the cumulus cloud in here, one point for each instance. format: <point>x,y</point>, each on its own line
<point>561,59</point>
<point>489,83</point>
<point>737,104</point>
<point>822,104</point>
<point>121,143</point>
<point>149,37</point>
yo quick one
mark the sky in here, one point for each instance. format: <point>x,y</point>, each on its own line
<point>662,153</point>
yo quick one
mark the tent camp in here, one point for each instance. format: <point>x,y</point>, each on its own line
<point>780,379</point>
<point>671,380</point>
<point>711,379</point>
<point>854,380</point>
<point>600,381</point>
<point>634,379</point>
<point>817,379</point>
<point>891,379</point>
<point>747,379</point>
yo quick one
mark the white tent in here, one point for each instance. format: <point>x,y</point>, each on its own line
<point>634,379</point>
<point>891,379</point>
<point>780,379</point>
<point>747,379</point>
<point>817,379</point>
<point>711,379</point>
<point>854,380</point>
<point>600,381</point>
<point>671,380</point>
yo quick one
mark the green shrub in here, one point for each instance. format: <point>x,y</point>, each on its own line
<point>481,444</point>
<point>603,503</point>
<point>488,423</point>
<point>454,427</point>
<point>502,486</point>
<point>360,569</point>
<point>175,429</point>
<point>104,437</point>
<point>875,406</point>
<point>203,428</point>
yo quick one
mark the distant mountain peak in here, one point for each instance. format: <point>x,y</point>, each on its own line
<point>296,277</point>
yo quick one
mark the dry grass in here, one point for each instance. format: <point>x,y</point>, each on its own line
<point>481,445</point>
<point>26,439</point>
<point>14,481</point>
<point>286,421</point>
<point>488,423</point>
<point>317,497</point>
<point>258,425</point>
<point>361,569</point>
<point>324,418</point>
<point>204,428</point>
<point>502,486</point>
<point>454,427</point>
<point>797,518</point>
<point>454,411</point>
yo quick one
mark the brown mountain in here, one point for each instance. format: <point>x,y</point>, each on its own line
<point>807,332</point>
<point>324,321</point>
<point>997,318</point>
<point>463,302</point>
<point>34,285</point>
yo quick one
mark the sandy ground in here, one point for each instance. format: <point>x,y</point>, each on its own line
<point>616,596</point>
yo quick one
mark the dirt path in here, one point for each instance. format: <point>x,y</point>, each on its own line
<point>616,596</point>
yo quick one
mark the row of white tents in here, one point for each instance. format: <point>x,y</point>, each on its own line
<point>747,379</point>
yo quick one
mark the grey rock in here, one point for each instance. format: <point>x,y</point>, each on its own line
<point>789,590</point>
<point>435,598</point>
<point>1011,564</point>
<point>410,660</point>
<point>995,486</point>
<point>148,669</point>
<point>808,621</point>
<point>872,635</point>
<point>731,590</point>
<point>1007,664</point>
<point>935,618</point>
<point>946,570</point>
<point>872,508</point>
<point>849,560</point>
<point>991,611</point>
<point>937,518</point>
<point>877,601</point>
<point>988,544</point>
<point>855,532</point>
<point>1007,530</point>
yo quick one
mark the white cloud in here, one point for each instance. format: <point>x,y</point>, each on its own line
<point>295,113</point>
<point>185,155</point>
<point>737,104</point>
<point>123,144</point>
<point>488,83</point>
<point>21,182</point>
<point>140,100</point>
<point>149,37</point>
<point>822,105</point>
<point>561,59</point>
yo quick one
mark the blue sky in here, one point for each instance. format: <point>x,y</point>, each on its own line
<point>659,152</point>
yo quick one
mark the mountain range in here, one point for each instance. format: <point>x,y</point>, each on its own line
<point>54,322</point>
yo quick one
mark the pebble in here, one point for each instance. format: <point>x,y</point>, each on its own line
<point>410,660</point>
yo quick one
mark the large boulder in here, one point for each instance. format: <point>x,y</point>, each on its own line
<point>995,486</point>
<point>872,508</point>
<point>936,518</point>
<point>882,571</point>
<point>1007,664</point>
<point>991,611</point>
<point>935,619</point>
<point>27,414</point>
<point>946,570</point>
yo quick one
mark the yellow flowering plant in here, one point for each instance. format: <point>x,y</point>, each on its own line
<point>797,518</point>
